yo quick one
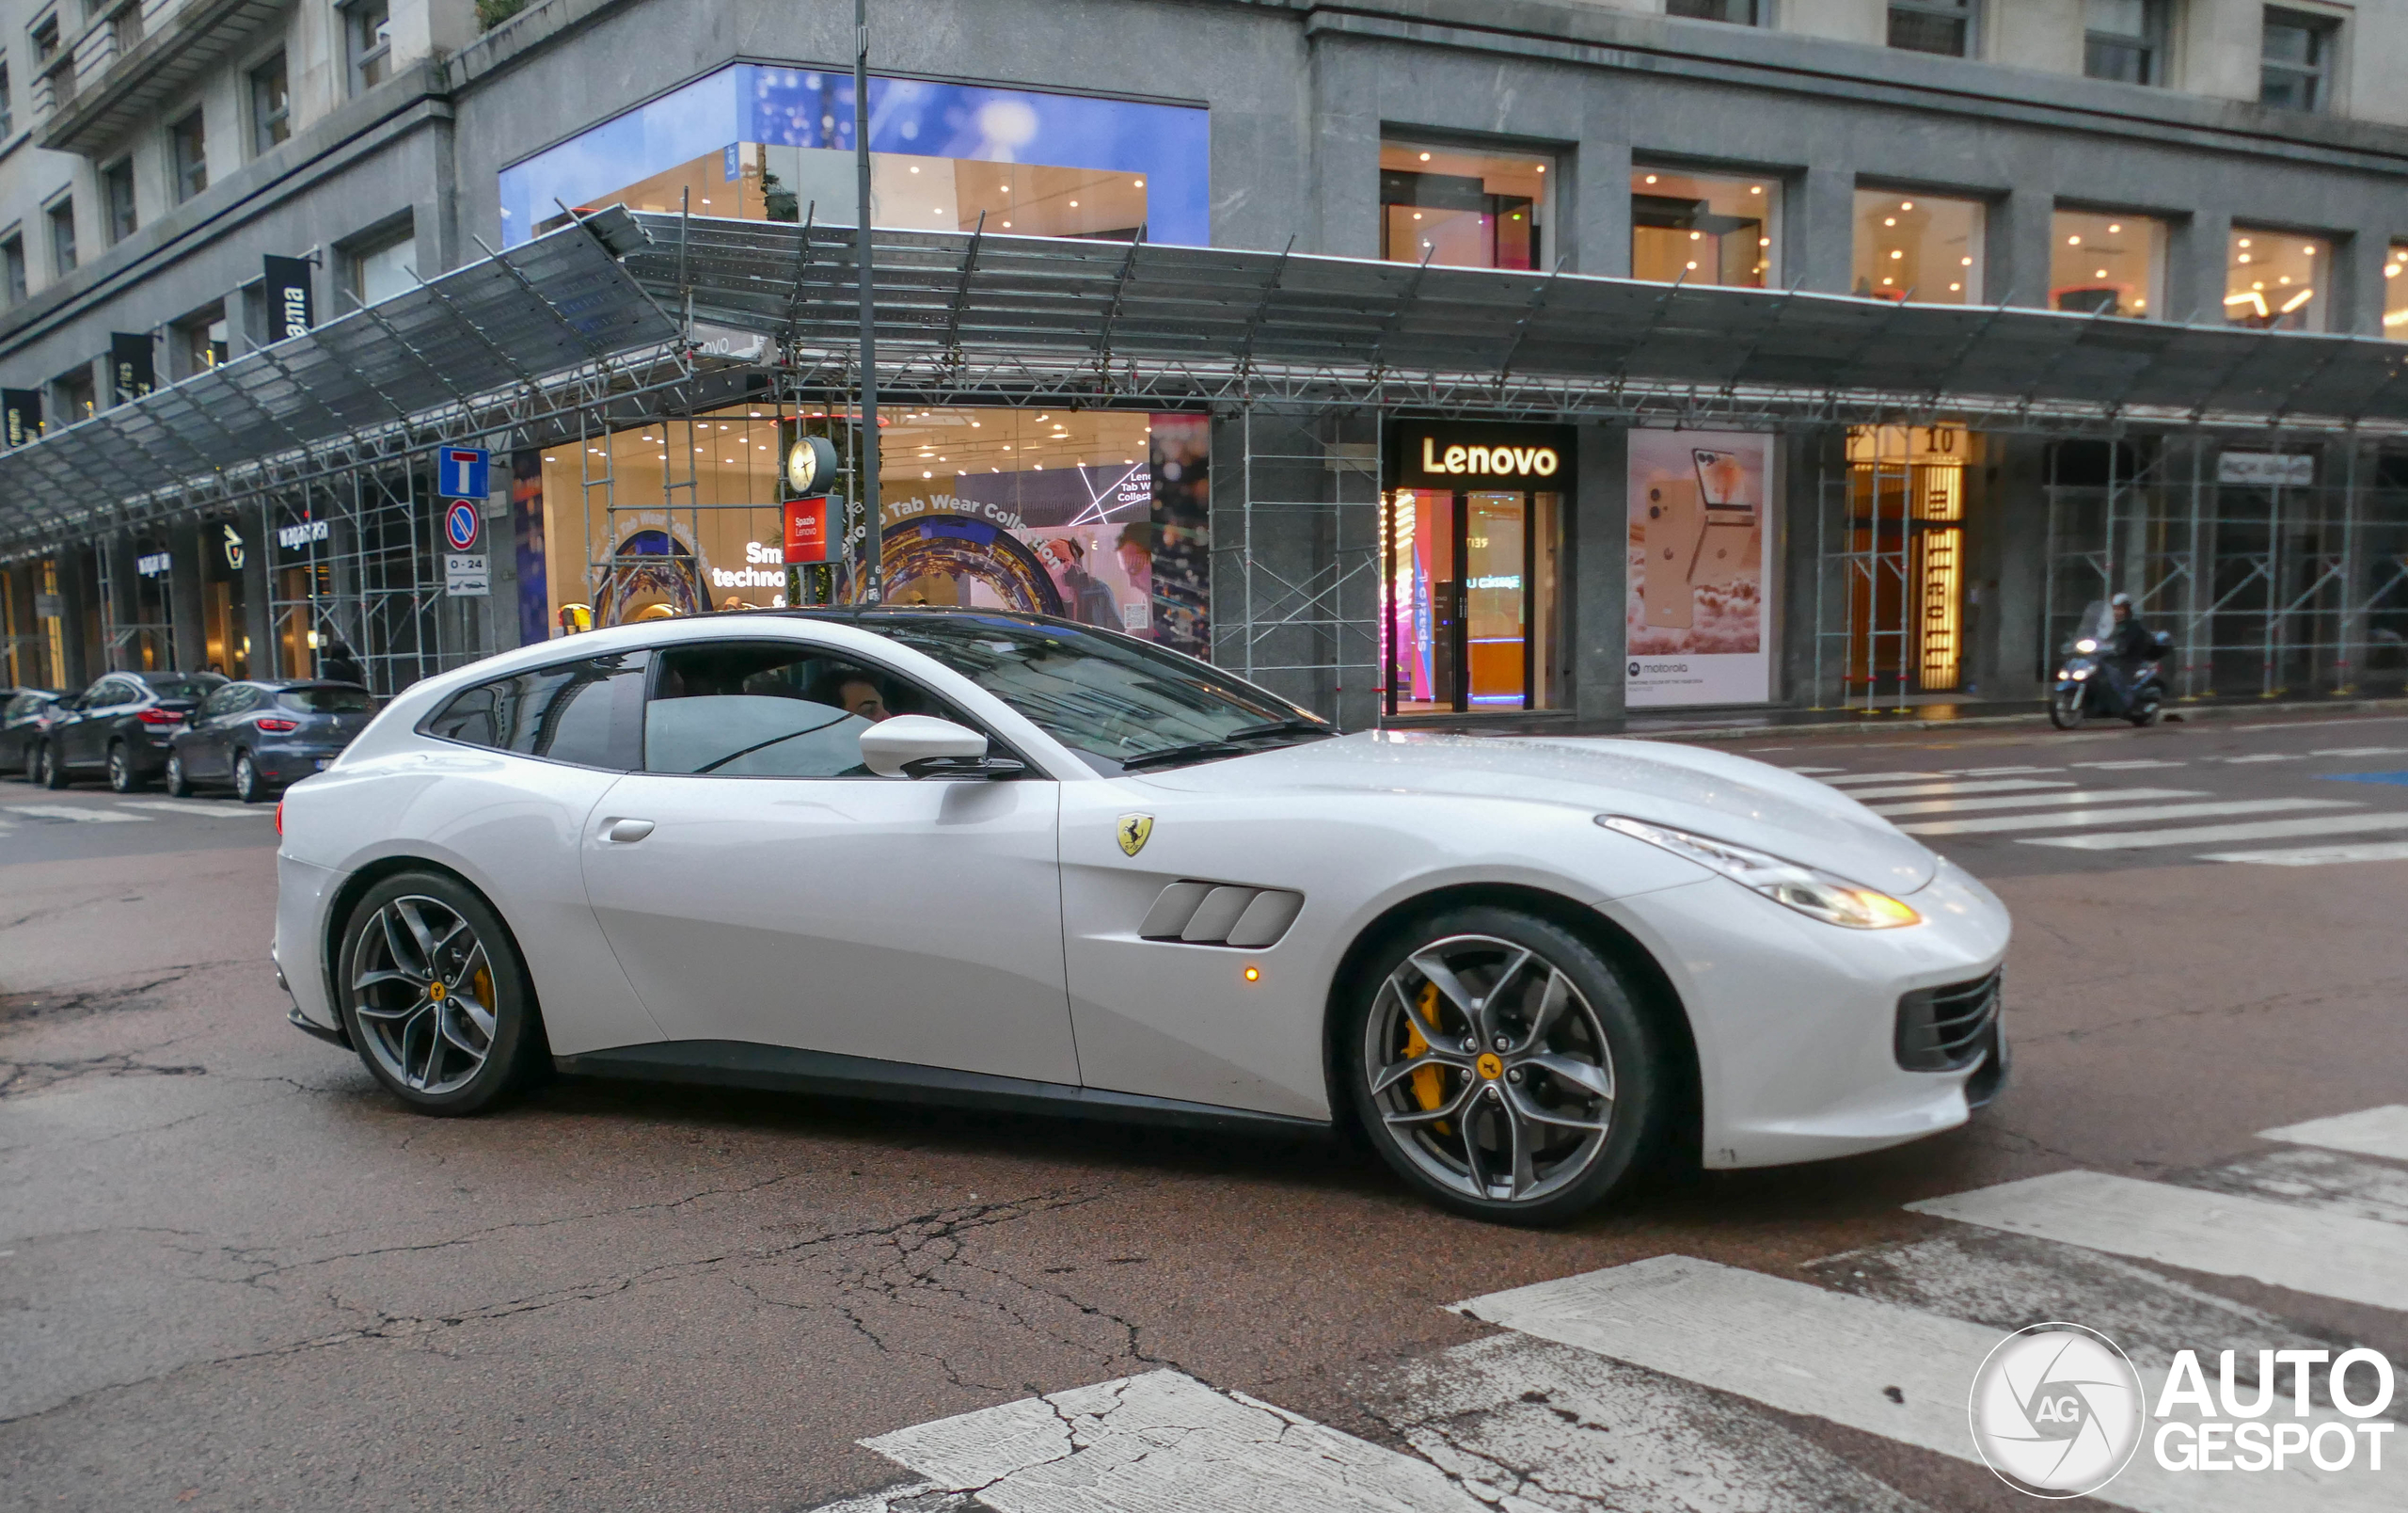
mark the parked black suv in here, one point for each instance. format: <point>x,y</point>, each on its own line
<point>26,715</point>
<point>119,727</point>
<point>261,735</point>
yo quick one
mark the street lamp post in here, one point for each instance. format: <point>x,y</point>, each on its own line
<point>873,581</point>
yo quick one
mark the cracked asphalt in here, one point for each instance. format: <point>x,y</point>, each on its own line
<point>233,1275</point>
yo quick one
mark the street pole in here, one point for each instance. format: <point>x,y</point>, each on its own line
<point>873,582</point>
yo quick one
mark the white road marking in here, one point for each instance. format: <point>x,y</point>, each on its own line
<point>2131,765</point>
<point>2001,772</point>
<point>2034,801</point>
<point>75,813</point>
<point>1814,771</point>
<point>2324,824</point>
<point>2151,811</point>
<point>2372,851</point>
<point>191,810</point>
<point>2261,757</point>
<point>2306,1177</point>
<point>1881,777</point>
<point>1925,790</point>
<point>1164,1442</point>
<point>2308,1250</point>
<point>2362,751</point>
<point>1805,1351</point>
<point>2368,1132</point>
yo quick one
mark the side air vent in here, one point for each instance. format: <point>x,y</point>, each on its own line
<point>1221,913</point>
<point>1947,1029</point>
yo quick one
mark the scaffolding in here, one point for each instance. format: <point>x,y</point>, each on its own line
<point>1296,558</point>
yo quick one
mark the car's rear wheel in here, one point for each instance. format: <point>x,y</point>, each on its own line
<point>435,996</point>
<point>122,777</point>
<point>53,770</point>
<point>33,762</point>
<point>1504,1067</point>
<point>248,785</point>
<point>178,781</point>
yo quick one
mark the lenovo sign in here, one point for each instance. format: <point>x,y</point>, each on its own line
<point>1446,456</point>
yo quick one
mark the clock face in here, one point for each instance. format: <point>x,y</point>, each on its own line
<point>803,465</point>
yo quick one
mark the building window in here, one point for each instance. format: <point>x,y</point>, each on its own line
<point>2104,264</point>
<point>383,268</point>
<point>12,268</point>
<point>7,106</point>
<point>45,35</point>
<point>199,342</point>
<point>1737,12</point>
<point>188,157</point>
<point>2395,292</point>
<point>2275,280</point>
<point>125,28</point>
<point>1702,228</point>
<point>1462,209</point>
<point>117,199</point>
<point>2124,41</point>
<point>2296,60</point>
<point>1944,27</point>
<point>1923,248</point>
<point>76,396</point>
<point>367,33</point>
<point>271,106</point>
<point>62,238</point>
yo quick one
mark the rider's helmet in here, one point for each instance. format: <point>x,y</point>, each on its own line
<point>2121,601</point>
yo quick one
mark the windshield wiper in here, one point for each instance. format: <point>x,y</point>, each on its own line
<point>1279,728</point>
<point>1237,743</point>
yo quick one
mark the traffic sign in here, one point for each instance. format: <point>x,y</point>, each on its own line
<point>460,472</point>
<point>467,576</point>
<point>461,524</point>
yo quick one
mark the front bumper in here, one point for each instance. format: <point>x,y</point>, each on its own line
<point>1796,1021</point>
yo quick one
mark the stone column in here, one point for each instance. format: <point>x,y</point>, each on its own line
<point>256,521</point>
<point>188,632</point>
<point>1597,545</point>
<point>75,598</point>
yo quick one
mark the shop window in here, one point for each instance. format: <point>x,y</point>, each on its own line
<point>2395,292</point>
<point>1906,514</point>
<point>271,106</point>
<point>187,157</point>
<point>1462,209</point>
<point>2295,69</point>
<point>62,238</point>
<point>1703,228</point>
<point>1943,26</point>
<point>1737,12</point>
<point>12,267</point>
<point>382,268</point>
<point>368,40</point>
<point>2124,39</point>
<point>2275,282</point>
<point>1923,248</point>
<point>2106,264</point>
<point>1472,527</point>
<point>945,157</point>
<point>117,199</point>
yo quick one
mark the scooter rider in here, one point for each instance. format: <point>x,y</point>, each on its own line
<point>2127,649</point>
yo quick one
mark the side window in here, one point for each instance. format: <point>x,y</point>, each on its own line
<point>752,710</point>
<point>221,702</point>
<point>581,711</point>
<point>107,693</point>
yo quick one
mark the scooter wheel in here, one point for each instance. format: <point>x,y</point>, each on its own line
<point>2146,711</point>
<point>2065,709</point>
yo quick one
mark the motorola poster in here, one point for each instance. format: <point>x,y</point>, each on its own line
<point>1697,611</point>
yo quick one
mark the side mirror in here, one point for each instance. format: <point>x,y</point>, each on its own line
<point>921,745</point>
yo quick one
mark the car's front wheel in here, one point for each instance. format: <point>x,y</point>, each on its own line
<point>178,781</point>
<point>54,770</point>
<point>33,762</point>
<point>1504,1067</point>
<point>435,996</point>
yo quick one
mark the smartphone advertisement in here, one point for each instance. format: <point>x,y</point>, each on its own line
<point>1697,600</point>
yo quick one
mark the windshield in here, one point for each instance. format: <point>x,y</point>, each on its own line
<point>327,700</point>
<point>169,686</point>
<point>1116,701</point>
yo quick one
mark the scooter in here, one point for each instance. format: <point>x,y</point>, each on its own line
<point>2083,688</point>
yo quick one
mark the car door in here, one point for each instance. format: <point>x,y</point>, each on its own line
<point>204,745</point>
<point>86,738</point>
<point>761,886</point>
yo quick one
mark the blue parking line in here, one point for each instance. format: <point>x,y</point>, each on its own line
<point>2399,779</point>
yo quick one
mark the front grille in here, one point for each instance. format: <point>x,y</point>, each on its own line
<point>1947,1029</point>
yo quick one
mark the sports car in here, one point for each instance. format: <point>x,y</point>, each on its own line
<point>1006,860</point>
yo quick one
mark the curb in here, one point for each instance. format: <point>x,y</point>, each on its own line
<point>2200,713</point>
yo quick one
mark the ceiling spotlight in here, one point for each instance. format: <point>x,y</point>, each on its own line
<point>2076,241</point>
<point>1425,157</point>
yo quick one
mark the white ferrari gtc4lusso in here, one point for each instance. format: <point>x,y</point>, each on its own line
<point>1005,860</point>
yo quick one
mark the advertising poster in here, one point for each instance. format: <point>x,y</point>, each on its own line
<point>1699,605</point>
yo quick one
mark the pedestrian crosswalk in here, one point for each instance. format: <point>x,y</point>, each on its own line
<point>114,811</point>
<point>1682,1384</point>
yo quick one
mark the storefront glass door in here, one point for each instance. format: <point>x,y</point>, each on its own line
<point>1471,582</point>
<point>1497,644</point>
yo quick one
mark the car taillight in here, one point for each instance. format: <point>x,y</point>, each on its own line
<point>160,717</point>
<point>279,725</point>
<point>280,817</point>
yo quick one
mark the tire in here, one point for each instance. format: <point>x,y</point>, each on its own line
<point>2066,708</point>
<point>122,777</point>
<point>2147,707</point>
<point>54,771</point>
<point>1593,1130</point>
<point>248,785</point>
<point>33,762</point>
<point>460,1051</point>
<point>179,785</point>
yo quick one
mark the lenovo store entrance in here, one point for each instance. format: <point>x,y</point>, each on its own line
<point>1472,534</point>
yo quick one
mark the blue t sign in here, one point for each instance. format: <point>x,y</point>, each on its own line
<point>460,472</point>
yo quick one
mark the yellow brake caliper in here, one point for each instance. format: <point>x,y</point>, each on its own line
<point>1429,1082</point>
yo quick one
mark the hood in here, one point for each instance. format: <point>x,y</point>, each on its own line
<point>1710,793</point>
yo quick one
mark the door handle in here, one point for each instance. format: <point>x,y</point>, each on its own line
<point>625,831</point>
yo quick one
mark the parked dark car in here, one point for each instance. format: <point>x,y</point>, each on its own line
<point>118,728</point>
<point>25,716</point>
<point>256,736</point>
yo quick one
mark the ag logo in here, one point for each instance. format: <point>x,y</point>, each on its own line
<point>1133,831</point>
<point>2057,1410</point>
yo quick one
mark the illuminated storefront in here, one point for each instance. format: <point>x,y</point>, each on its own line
<point>1906,548</point>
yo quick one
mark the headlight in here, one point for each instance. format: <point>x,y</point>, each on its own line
<point>2085,645</point>
<point>1834,901</point>
<point>2081,673</point>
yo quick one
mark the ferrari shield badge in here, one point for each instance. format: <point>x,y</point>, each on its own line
<point>1133,831</point>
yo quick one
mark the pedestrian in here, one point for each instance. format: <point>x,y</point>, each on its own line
<point>337,664</point>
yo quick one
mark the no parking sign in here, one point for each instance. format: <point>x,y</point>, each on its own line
<point>462,525</point>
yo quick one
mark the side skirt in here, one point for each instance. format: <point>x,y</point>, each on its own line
<point>785,1069</point>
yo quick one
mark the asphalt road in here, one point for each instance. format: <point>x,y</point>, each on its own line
<point>233,1275</point>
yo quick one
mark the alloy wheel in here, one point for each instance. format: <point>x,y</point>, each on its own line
<point>179,786</point>
<point>120,771</point>
<point>1490,1069</point>
<point>246,778</point>
<point>423,993</point>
